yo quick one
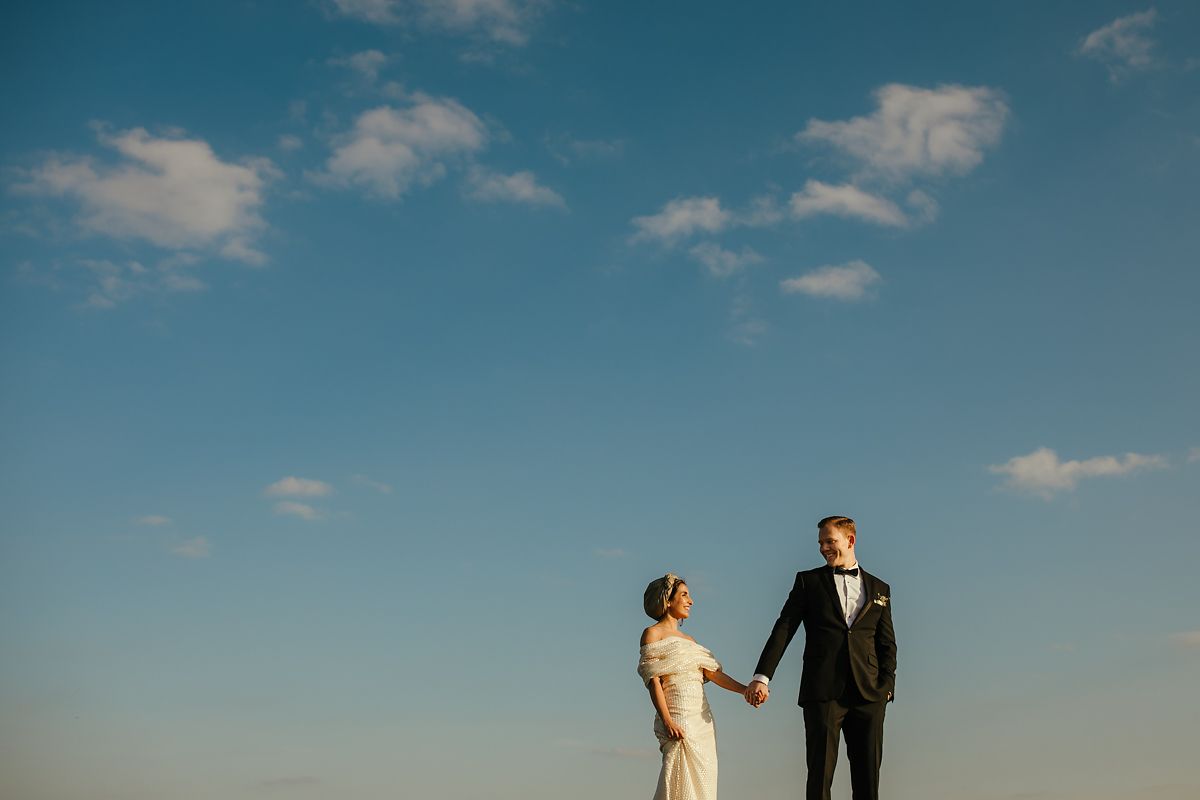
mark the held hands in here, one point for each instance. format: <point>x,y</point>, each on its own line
<point>757,693</point>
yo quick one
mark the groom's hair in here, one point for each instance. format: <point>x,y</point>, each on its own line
<point>844,524</point>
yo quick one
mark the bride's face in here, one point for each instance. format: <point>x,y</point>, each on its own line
<point>681,604</point>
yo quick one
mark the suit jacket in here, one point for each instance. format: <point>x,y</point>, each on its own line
<point>836,654</point>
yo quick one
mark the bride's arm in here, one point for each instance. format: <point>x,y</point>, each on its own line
<point>660,705</point>
<point>724,681</point>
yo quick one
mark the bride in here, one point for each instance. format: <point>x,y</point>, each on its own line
<point>674,668</point>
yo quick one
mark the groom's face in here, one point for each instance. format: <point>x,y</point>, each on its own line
<point>836,546</point>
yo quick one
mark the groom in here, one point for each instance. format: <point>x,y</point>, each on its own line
<point>849,661</point>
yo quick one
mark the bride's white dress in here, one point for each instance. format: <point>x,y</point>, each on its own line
<point>689,766</point>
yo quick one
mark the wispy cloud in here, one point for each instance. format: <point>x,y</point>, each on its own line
<point>764,211</point>
<point>680,218</point>
<point>613,552</point>
<point>298,487</point>
<point>111,283</point>
<point>845,282</point>
<point>290,782</point>
<point>291,508</point>
<point>196,547</point>
<point>390,148</point>
<point>722,263</point>
<point>568,149</point>
<point>366,63</point>
<point>1123,45</point>
<point>1157,792</point>
<point>924,207</point>
<point>617,751</point>
<point>745,326</point>
<point>520,187</point>
<point>1042,472</point>
<point>845,201</point>
<point>917,131</point>
<point>289,143</point>
<point>637,753</point>
<point>506,22</point>
<point>382,12</point>
<point>1193,455</point>
<point>154,520</point>
<point>170,191</point>
<point>363,480</point>
<point>1187,639</point>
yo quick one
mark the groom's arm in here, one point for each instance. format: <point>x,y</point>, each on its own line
<point>885,648</point>
<point>784,629</point>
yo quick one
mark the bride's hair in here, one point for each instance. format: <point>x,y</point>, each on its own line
<point>659,594</point>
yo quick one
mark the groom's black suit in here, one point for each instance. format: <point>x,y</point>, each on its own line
<point>849,676</point>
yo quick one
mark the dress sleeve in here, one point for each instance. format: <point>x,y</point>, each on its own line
<point>707,660</point>
<point>668,657</point>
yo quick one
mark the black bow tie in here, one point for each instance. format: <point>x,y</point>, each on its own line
<point>844,571</point>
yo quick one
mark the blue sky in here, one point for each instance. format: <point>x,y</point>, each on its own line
<point>363,360</point>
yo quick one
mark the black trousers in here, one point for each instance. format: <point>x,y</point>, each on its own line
<point>862,725</point>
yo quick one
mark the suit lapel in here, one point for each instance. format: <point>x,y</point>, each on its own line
<point>831,585</point>
<point>868,589</point>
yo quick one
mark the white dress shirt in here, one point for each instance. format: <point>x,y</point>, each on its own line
<point>850,592</point>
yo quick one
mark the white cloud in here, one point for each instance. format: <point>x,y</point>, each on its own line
<point>682,217</point>
<point>196,547</point>
<point>378,486</point>
<point>915,130</point>
<point>294,509</point>
<point>845,201</point>
<point>1193,455</point>
<point>153,519</point>
<point>288,143</point>
<point>835,281</point>
<point>389,149</point>
<point>686,216</point>
<point>298,487</point>
<point>366,63</point>
<point>722,263</point>
<point>170,191</point>
<point>520,187</point>
<point>1187,639</point>
<point>1123,45</point>
<point>503,21</point>
<point>1042,473</point>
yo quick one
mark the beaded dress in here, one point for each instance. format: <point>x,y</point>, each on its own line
<point>689,765</point>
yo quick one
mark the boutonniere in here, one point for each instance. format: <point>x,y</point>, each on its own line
<point>881,600</point>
